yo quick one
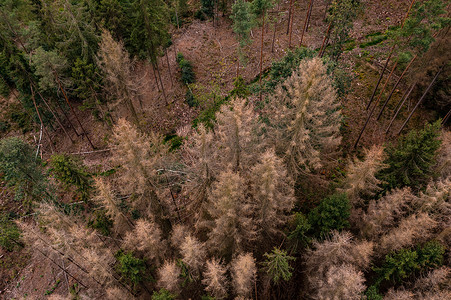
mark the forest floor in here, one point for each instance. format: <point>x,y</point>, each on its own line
<point>212,50</point>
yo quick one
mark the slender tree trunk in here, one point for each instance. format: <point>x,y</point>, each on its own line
<point>446,117</point>
<point>400,105</point>
<point>309,16</point>
<point>161,82</point>
<point>261,54</point>
<point>290,24</point>
<point>305,22</point>
<point>155,77</point>
<point>325,46</point>
<point>73,111</point>
<point>275,27</point>
<point>385,84</point>
<point>380,77</point>
<point>67,118</point>
<point>324,40</point>
<point>289,16</point>
<point>40,120</point>
<point>169,66</point>
<point>421,99</point>
<point>394,88</point>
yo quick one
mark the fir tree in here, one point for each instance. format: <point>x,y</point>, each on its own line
<point>305,118</point>
<point>411,160</point>
<point>244,272</point>
<point>277,265</point>
<point>242,24</point>
<point>215,279</point>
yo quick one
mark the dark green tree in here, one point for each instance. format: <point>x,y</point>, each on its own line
<point>277,265</point>
<point>131,268</point>
<point>23,171</point>
<point>331,214</point>
<point>162,295</point>
<point>70,172</point>
<point>411,160</point>
<point>243,21</point>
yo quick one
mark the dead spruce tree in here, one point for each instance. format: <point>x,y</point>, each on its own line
<point>115,63</point>
<point>215,279</point>
<point>305,117</point>
<point>140,158</point>
<point>169,277</point>
<point>272,194</point>
<point>244,271</point>
<point>333,267</point>
<point>361,182</point>
<point>231,227</point>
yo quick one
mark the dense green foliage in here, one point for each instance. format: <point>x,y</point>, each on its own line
<point>277,265</point>
<point>411,160</point>
<point>70,172</point>
<point>162,295</point>
<point>186,69</point>
<point>22,170</point>
<point>9,233</point>
<point>404,263</point>
<point>242,24</point>
<point>131,268</point>
<point>331,214</point>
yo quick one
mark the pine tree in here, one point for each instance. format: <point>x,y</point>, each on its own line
<point>277,265</point>
<point>242,24</point>
<point>361,182</point>
<point>169,277</point>
<point>244,272</point>
<point>272,192</point>
<point>305,118</point>
<point>116,65</point>
<point>342,282</point>
<point>237,134</point>
<point>232,227</point>
<point>23,171</point>
<point>193,254</point>
<point>341,17</point>
<point>411,160</point>
<point>215,279</point>
<point>146,238</point>
<point>140,157</point>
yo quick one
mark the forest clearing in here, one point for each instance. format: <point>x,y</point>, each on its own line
<point>264,149</point>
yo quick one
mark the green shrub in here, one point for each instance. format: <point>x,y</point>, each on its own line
<point>70,172</point>
<point>372,293</point>
<point>190,99</point>
<point>8,233</point>
<point>431,255</point>
<point>186,68</point>
<point>331,214</point>
<point>241,90</point>
<point>162,294</point>
<point>101,222</point>
<point>131,268</point>
<point>411,160</point>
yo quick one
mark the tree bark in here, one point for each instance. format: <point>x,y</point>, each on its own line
<point>309,16</point>
<point>290,26</point>
<point>305,23</point>
<point>289,17</point>
<point>324,40</point>
<point>421,99</point>
<point>169,66</point>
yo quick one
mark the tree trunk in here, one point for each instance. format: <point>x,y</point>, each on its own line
<point>169,66</point>
<point>289,17</point>
<point>394,88</point>
<point>40,120</point>
<point>385,84</point>
<point>275,27</point>
<point>261,54</point>
<point>400,104</point>
<point>380,77</point>
<point>290,24</point>
<point>73,111</point>
<point>309,16</point>
<point>324,40</point>
<point>155,77</point>
<point>421,99</point>
<point>305,23</point>
<point>161,82</point>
